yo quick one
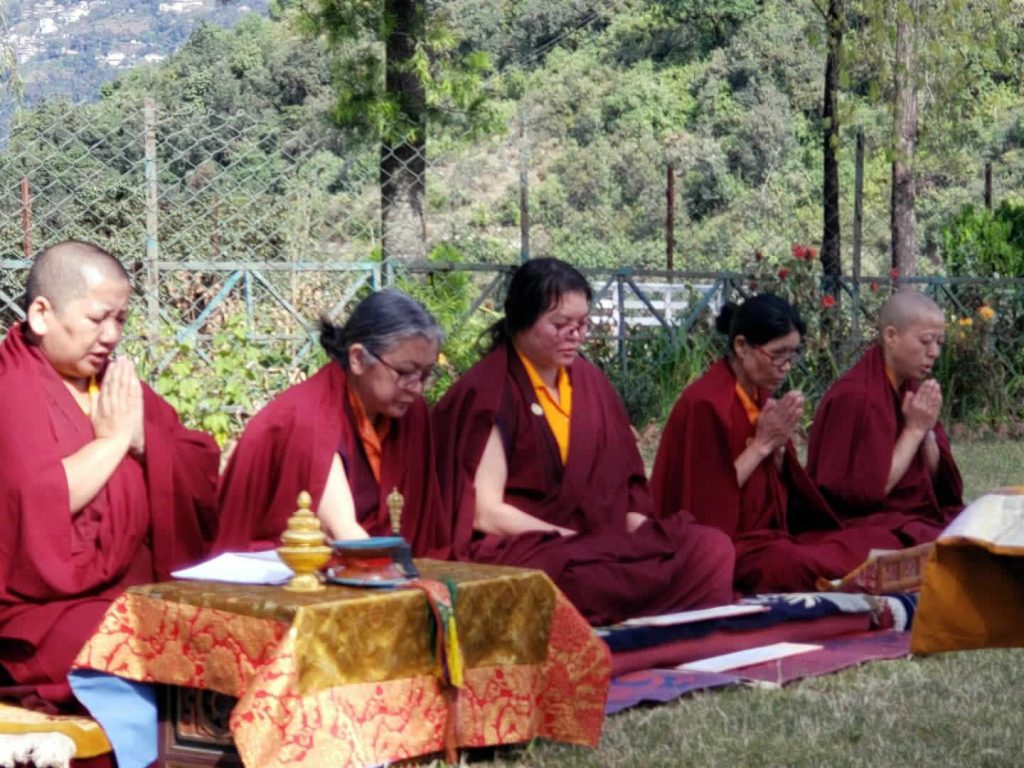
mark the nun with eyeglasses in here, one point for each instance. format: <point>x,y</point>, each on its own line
<point>349,435</point>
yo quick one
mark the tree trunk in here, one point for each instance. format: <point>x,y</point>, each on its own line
<point>403,161</point>
<point>904,222</point>
<point>831,263</point>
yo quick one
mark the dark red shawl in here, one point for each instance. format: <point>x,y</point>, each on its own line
<point>609,573</point>
<point>288,447</point>
<point>59,571</point>
<point>694,470</point>
<point>602,480</point>
<point>851,444</point>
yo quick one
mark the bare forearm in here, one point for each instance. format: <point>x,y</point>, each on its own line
<point>337,510</point>
<point>749,460</point>
<point>932,456</point>
<point>503,519</point>
<point>903,454</point>
<point>89,468</point>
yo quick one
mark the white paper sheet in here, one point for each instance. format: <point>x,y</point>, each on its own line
<point>994,518</point>
<point>239,568</point>
<point>692,617</point>
<point>748,657</point>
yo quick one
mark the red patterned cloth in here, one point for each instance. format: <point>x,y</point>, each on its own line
<point>281,719</point>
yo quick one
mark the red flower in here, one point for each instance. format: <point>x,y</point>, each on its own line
<point>783,273</point>
<point>758,256</point>
<point>811,253</point>
<point>828,301</point>
<point>874,287</point>
<point>894,273</point>
<point>797,251</point>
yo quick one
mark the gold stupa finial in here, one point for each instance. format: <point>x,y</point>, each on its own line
<point>395,502</point>
<point>304,547</point>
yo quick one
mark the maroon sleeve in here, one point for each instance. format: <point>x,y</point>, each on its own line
<point>285,449</point>
<point>181,478</point>
<point>38,560</point>
<point>850,448</point>
<point>949,485</point>
<point>694,469</point>
<point>461,423</point>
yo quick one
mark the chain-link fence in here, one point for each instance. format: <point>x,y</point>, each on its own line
<point>230,335</point>
<point>240,232</point>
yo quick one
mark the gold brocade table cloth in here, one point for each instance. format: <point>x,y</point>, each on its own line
<point>348,675</point>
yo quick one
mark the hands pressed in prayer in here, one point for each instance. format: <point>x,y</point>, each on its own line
<point>776,424</point>
<point>117,422</point>
<point>779,420</point>
<point>921,409</point>
<point>921,413</point>
<point>117,409</point>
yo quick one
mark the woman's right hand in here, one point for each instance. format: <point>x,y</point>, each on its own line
<point>778,421</point>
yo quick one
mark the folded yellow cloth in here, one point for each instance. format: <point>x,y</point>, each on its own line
<point>89,738</point>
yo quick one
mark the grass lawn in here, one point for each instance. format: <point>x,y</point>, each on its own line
<point>957,709</point>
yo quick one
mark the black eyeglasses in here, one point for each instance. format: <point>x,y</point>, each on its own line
<point>409,379</point>
<point>781,359</point>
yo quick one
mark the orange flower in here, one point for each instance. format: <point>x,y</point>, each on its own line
<point>985,312</point>
<point>965,322</point>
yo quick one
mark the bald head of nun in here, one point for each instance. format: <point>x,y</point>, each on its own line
<point>76,304</point>
<point>65,271</point>
<point>912,330</point>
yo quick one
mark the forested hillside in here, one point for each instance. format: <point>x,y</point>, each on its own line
<point>607,97</point>
<point>71,48</point>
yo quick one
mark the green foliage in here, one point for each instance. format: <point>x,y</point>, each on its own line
<point>368,98</point>
<point>657,369</point>
<point>986,243</point>
<point>449,296</point>
<point>219,396</point>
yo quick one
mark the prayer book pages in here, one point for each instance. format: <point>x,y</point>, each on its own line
<point>995,518</point>
<point>749,657</point>
<point>692,617</point>
<point>240,568</point>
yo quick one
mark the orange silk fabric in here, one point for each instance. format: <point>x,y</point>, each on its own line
<point>338,677</point>
<point>371,437</point>
<point>558,414</point>
<point>753,412</point>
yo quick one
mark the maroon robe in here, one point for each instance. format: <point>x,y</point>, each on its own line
<point>607,572</point>
<point>288,447</point>
<point>850,453</point>
<point>59,571</point>
<point>786,535</point>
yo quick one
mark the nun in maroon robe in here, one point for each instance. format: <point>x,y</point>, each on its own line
<point>785,534</point>
<point>583,507</point>
<point>366,408</point>
<point>862,424</point>
<point>60,570</point>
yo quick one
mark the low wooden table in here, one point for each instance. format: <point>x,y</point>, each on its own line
<point>349,675</point>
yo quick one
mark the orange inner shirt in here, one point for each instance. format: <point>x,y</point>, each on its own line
<point>753,412</point>
<point>892,379</point>
<point>371,437</point>
<point>557,412</point>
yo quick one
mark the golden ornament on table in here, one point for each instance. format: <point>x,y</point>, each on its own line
<point>395,502</point>
<point>304,547</point>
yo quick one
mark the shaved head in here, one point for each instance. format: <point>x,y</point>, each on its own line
<point>912,330</point>
<point>67,270</point>
<point>905,308</point>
